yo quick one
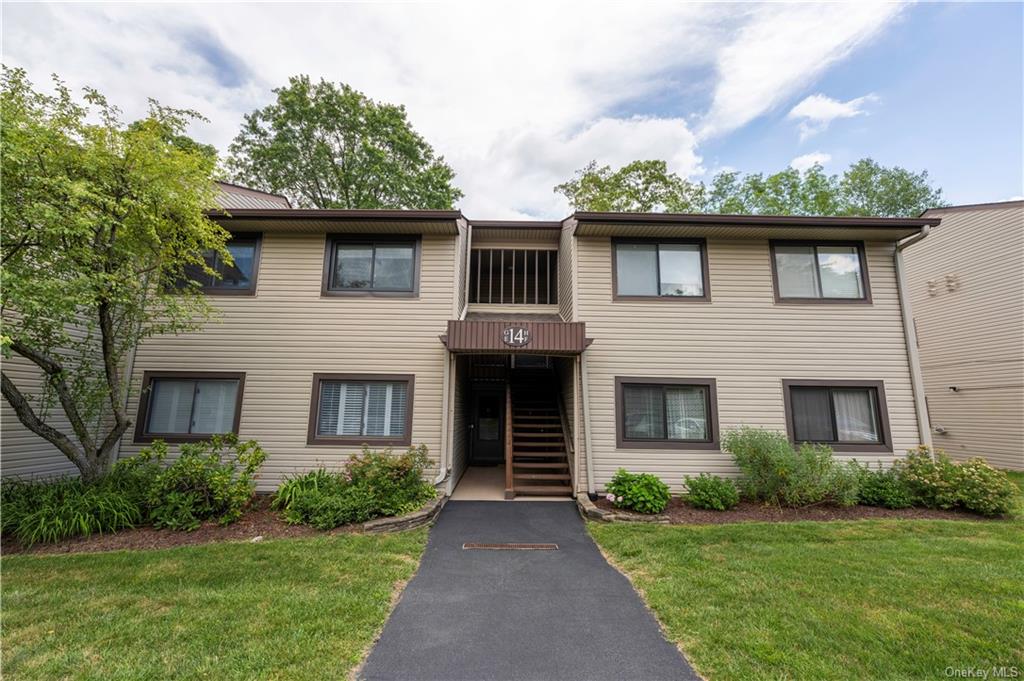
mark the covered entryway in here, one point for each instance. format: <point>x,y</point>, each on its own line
<point>513,432</point>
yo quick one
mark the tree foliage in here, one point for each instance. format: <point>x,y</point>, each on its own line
<point>329,146</point>
<point>865,188</point>
<point>99,222</point>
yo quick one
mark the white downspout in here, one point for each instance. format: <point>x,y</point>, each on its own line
<point>591,488</point>
<point>469,246</point>
<point>910,334</point>
<point>442,469</point>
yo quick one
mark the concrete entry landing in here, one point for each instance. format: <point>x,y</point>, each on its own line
<point>557,614</point>
<point>487,483</point>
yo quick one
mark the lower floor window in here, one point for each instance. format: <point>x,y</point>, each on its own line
<point>665,412</point>
<point>181,407</point>
<point>353,409</point>
<point>840,413</point>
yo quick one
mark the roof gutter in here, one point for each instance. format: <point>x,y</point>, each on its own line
<point>910,334</point>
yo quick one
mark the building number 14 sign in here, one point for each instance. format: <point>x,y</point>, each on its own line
<point>516,336</point>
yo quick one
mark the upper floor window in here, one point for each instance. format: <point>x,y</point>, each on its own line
<point>849,415</point>
<point>371,265</point>
<point>236,277</point>
<point>518,276</point>
<point>660,413</point>
<point>357,409</point>
<point>186,406</point>
<point>676,268</point>
<point>819,272</point>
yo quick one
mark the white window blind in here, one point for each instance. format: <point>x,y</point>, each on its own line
<point>372,408</point>
<point>198,407</point>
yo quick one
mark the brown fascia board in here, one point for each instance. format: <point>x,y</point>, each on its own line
<point>336,214</point>
<point>515,224</point>
<point>749,220</point>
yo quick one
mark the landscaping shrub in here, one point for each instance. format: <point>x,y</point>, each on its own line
<point>49,511</point>
<point>775,472</point>
<point>209,479</point>
<point>372,484</point>
<point>640,492</point>
<point>711,492</point>
<point>882,487</point>
<point>942,483</point>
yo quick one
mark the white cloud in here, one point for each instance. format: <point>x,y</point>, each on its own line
<point>781,49</point>
<point>806,161</point>
<point>817,112</point>
<point>516,96</point>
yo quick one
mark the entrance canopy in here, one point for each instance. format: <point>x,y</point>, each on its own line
<point>516,334</point>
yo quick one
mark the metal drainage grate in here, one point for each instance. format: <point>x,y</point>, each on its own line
<point>510,547</point>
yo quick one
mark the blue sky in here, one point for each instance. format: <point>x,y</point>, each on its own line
<point>517,96</point>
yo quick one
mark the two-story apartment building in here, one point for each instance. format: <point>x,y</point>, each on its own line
<point>550,353</point>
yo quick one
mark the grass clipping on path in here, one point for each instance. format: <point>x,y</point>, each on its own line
<point>288,609</point>
<point>852,600</point>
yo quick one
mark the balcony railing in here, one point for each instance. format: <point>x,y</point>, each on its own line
<point>513,276</point>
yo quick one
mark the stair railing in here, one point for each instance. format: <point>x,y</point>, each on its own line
<point>510,492</point>
<point>567,438</point>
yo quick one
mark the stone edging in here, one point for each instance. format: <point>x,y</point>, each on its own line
<point>590,511</point>
<point>424,516</point>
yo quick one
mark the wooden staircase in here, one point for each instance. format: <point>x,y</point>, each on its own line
<point>536,461</point>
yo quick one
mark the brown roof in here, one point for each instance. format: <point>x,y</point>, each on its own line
<point>759,220</point>
<point>997,205</point>
<point>233,196</point>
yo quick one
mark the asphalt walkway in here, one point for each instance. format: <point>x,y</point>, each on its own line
<point>476,615</point>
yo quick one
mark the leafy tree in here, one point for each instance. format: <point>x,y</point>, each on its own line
<point>329,146</point>
<point>99,222</point>
<point>642,186</point>
<point>865,188</point>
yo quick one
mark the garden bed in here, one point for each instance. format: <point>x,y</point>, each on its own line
<point>678,513</point>
<point>258,520</point>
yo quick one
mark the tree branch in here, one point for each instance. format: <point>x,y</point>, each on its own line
<point>27,415</point>
<point>55,374</point>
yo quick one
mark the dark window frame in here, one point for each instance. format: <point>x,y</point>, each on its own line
<point>330,252</point>
<point>885,434</point>
<point>704,269</point>
<point>862,258</point>
<point>405,440</point>
<point>622,442</point>
<point>143,436</point>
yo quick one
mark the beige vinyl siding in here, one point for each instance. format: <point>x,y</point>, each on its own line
<point>287,331</point>
<point>745,341</point>
<point>567,273</point>
<point>966,283</point>
<point>24,454</point>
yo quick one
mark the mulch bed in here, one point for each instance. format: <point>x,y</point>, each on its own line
<point>257,521</point>
<point>679,513</point>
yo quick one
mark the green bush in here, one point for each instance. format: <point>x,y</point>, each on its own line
<point>775,472</point>
<point>640,492</point>
<point>49,511</point>
<point>372,484</point>
<point>209,479</point>
<point>711,492</point>
<point>941,483</point>
<point>882,487</point>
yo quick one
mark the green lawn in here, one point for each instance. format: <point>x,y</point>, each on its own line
<point>285,609</point>
<point>846,600</point>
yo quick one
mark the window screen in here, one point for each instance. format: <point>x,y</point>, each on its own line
<point>369,408</point>
<point>819,271</point>
<point>659,269</point>
<point>666,412</point>
<point>192,406</point>
<point>373,266</point>
<point>835,414</point>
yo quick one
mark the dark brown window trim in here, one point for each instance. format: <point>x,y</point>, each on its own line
<point>861,254</point>
<point>620,414</point>
<point>329,250</point>
<point>143,437</point>
<point>405,440</point>
<point>257,252</point>
<point>883,412</point>
<point>704,272</point>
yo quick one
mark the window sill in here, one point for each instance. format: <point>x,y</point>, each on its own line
<point>823,301</point>
<point>370,294</point>
<point>666,444</point>
<point>174,438</point>
<point>672,299</point>
<point>320,440</point>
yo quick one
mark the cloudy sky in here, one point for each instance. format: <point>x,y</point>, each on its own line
<point>517,96</point>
